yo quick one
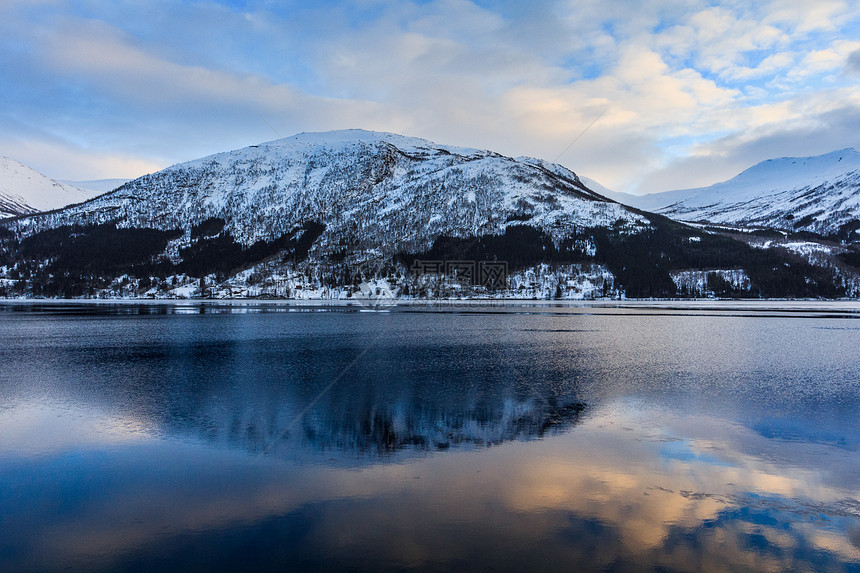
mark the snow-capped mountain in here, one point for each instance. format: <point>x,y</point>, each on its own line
<point>372,192</point>
<point>24,191</point>
<point>819,194</point>
<point>372,217</point>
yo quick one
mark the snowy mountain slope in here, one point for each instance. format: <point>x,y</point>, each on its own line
<point>373,192</point>
<point>359,215</point>
<point>819,194</point>
<point>23,190</point>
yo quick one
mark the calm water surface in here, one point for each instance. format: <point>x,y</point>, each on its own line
<point>630,437</point>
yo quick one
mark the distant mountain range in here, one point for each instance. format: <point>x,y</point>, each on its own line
<point>362,215</point>
<point>819,194</point>
<point>24,191</point>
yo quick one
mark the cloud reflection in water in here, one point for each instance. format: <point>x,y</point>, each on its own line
<point>140,447</point>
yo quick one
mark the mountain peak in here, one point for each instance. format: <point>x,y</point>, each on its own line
<point>348,137</point>
<point>779,170</point>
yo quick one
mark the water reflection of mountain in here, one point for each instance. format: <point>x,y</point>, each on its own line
<point>252,384</point>
<point>348,422</point>
<point>404,426</point>
<point>256,383</point>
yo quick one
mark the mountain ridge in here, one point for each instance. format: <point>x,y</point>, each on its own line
<point>359,184</point>
<point>817,193</point>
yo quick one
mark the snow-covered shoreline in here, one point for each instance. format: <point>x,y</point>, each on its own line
<point>843,305</point>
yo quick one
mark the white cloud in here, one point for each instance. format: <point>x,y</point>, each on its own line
<point>828,60</point>
<point>803,16</point>
<point>810,126</point>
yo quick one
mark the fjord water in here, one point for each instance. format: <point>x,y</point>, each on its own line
<point>618,437</point>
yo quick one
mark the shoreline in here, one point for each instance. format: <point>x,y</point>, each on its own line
<point>442,304</point>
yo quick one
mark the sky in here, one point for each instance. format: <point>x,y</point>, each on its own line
<point>642,96</point>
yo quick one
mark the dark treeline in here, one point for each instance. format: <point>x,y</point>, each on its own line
<point>208,228</point>
<point>642,261</point>
<point>223,256</point>
<point>72,261</point>
<point>521,246</point>
<point>99,249</point>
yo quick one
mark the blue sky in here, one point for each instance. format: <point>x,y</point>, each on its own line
<point>687,92</point>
